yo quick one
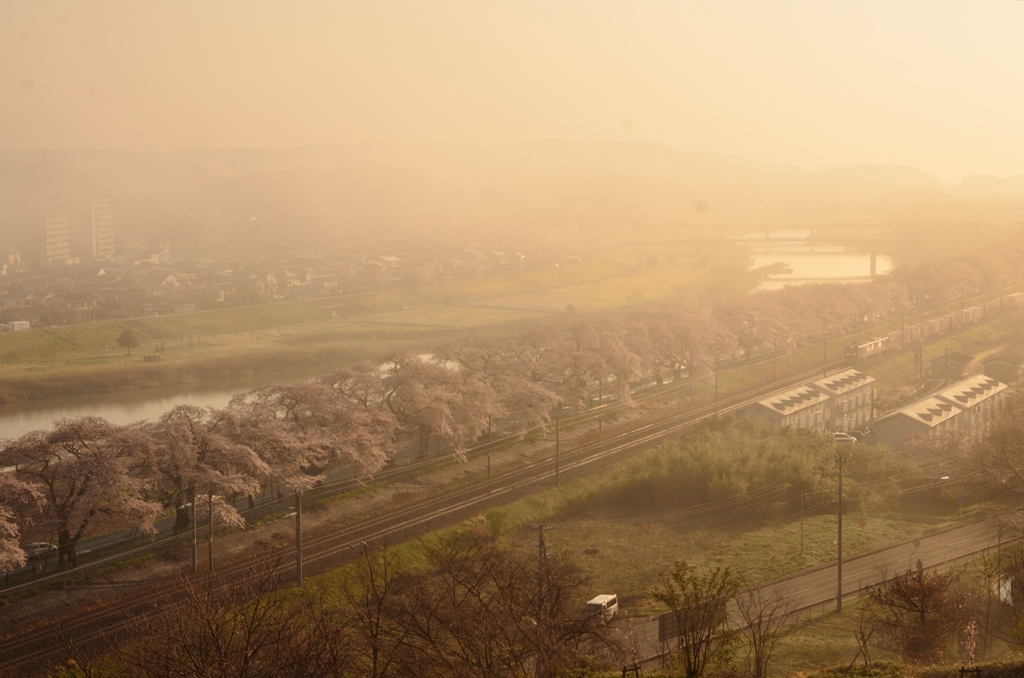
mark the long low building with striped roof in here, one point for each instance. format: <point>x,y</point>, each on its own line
<point>969,405</point>
<point>836,403</point>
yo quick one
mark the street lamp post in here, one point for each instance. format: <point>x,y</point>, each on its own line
<point>839,541</point>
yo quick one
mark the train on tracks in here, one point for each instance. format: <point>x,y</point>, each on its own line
<point>897,339</point>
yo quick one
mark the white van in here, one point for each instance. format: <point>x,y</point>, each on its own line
<point>602,608</point>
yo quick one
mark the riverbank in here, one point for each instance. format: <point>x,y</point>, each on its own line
<point>143,375</point>
<point>191,348</point>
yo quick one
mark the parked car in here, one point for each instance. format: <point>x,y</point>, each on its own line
<point>602,608</point>
<point>40,549</point>
<point>843,438</point>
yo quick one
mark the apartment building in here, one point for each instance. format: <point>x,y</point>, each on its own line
<point>852,394</point>
<point>968,405</point>
<point>802,407</point>
<point>103,228</point>
<point>841,402</point>
<point>56,238</point>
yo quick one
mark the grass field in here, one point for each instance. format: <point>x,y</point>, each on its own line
<point>235,341</point>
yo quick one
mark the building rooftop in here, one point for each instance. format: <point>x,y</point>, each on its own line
<point>795,399</point>
<point>969,392</point>
<point>929,411</point>
<point>843,381</point>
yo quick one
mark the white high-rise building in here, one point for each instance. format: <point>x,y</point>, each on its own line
<point>57,238</point>
<point>103,228</point>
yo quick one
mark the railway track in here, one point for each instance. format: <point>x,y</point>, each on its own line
<point>33,652</point>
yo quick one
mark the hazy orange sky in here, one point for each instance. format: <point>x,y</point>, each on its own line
<point>932,83</point>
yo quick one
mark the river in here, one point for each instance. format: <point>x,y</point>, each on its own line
<point>808,261</point>
<point>131,406</point>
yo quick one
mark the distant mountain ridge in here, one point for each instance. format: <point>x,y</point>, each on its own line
<point>348,188</point>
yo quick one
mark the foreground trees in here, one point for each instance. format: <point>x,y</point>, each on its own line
<point>483,609</point>
<point>233,628</point>
<point>699,603</point>
<point>472,607</point>
<point>919,614</point>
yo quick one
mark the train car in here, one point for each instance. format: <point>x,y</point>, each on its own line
<point>1015,299</point>
<point>990,308</point>
<point>896,338</point>
<point>972,314</point>
<point>866,349</point>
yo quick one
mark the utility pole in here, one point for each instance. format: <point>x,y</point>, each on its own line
<point>945,366</point>
<point>999,555</point>
<point>690,370</point>
<point>540,544</point>
<point>298,536</point>
<point>775,355</point>
<point>716,387</point>
<point>903,332</point>
<point>557,445</point>
<point>824,358</point>
<point>839,578</point>
<point>600,406</point>
<point>195,530</point>
<point>210,541</point>
<point>542,556</point>
<point>488,446</point>
<point>801,524</point>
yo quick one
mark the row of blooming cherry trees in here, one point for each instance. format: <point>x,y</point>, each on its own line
<point>87,474</point>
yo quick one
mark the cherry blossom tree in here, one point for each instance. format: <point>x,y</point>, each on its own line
<point>300,430</point>
<point>18,500</point>
<point>87,471</point>
<point>520,402</point>
<point>432,402</point>
<point>195,450</point>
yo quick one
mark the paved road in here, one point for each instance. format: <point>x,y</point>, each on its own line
<point>815,589</point>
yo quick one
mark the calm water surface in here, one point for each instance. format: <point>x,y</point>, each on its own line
<point>810,262</point>
<point>131,406</point>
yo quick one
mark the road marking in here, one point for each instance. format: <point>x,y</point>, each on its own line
<point>800,591</point>
<point>961,541</point>
<point>856,574</point>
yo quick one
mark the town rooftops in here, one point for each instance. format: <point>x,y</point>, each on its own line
<point>843,381</point>
<point>968,392</point>
<point>795,399</point>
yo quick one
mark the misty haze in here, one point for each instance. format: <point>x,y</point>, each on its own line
<point>511,339</point>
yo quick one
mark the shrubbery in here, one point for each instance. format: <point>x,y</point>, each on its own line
<point>762,467</point>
